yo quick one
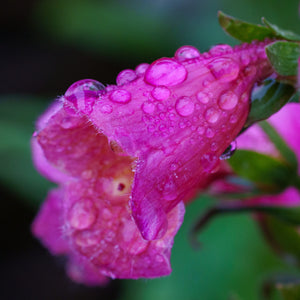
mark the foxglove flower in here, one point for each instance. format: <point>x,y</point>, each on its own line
<point>127,156</point>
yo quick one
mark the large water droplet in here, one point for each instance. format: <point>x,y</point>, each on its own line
<point>228,100</point>
<point>184,106</point>
<point>224,69</point>
<point>141,69</point>
<point>160,93</point>
<point>212,115</point>
<point>84,85</point>
<point>166,72</point>
<point>203,97</point>
<point>148,107</point>
<point>229,151</point>
<point>120,96</point>
<point>81,96</point>
<point>126,76</point>
<point>186,52</point>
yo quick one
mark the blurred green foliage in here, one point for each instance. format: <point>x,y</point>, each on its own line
<point>234,261</point>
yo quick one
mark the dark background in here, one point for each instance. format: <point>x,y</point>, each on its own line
<point>46,45</point>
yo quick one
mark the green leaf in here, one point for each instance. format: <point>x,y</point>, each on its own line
<point>285,34</point>
<point>284,57</point>
<point>243,31</point>
<point>268,98</point>
<point>261,169</point>
<point>284,237</point>
<point>286,152</point>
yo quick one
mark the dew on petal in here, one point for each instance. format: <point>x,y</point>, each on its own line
<point>184,106</point>
<point>106,109</point>
<point>203,97</point>
<point>160,93</point>
<point>148,107</point>
<point>229,151</point>
<point>141,69</point>
<point>82,214</point>
<point>209,133</point>
<point>186,52</point>
<point>233,119</point>
<point>228,100</point>
<point>166,72</point>
<point>84,85</point>
<point>224,69</point>
<point>212,115</point>
<point>220,49</point>
<point>126,76</point>
<point>120,96</point>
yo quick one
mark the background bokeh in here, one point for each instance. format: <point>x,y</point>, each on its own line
<point>46,45</point>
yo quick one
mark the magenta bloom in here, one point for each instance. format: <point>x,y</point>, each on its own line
<point>128,155</point>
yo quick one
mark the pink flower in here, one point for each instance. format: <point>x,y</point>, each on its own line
<point>127,156</point>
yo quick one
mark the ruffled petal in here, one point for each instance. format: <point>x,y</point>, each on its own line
<point>48,225</point>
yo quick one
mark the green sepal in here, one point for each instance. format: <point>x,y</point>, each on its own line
<point>281,33</point>
<point>268,98</point>
<point>265,171</point>
<point>284,57</point>
<point>244,31</point>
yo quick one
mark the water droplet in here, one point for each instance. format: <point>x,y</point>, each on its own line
<point>151,128</point>
<point>209,133</point>
<point>203,97</point>
<point>224,69</point>
<point>160,93</point>
<point>82,214</point>
<point>220,49</point>
<point>208,162</point>
<point>206,83</point>
<point>184,106</point>
<point>172,116</point>
<point>160,106</point>
<point>182,125</point>
<point>84,85</point>
<point>126,76</point>
<point>245,59</point>
<point>233,119</point>
<point>141,69</point>
<point>214,147</point>
<point>174,167</point>
<point>148,107</point>
<point>186,52</point>
<point>166,72</point>
<point>162,127</point>
<point>120,96</point>
<point>200,130</point>
<point>162,116</point>
<point>228,100</point>
<point>212,115</point>
<point>229,151</point>
<point>106,109</point>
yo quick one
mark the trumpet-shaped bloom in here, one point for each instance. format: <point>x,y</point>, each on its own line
<point>126,156</point>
